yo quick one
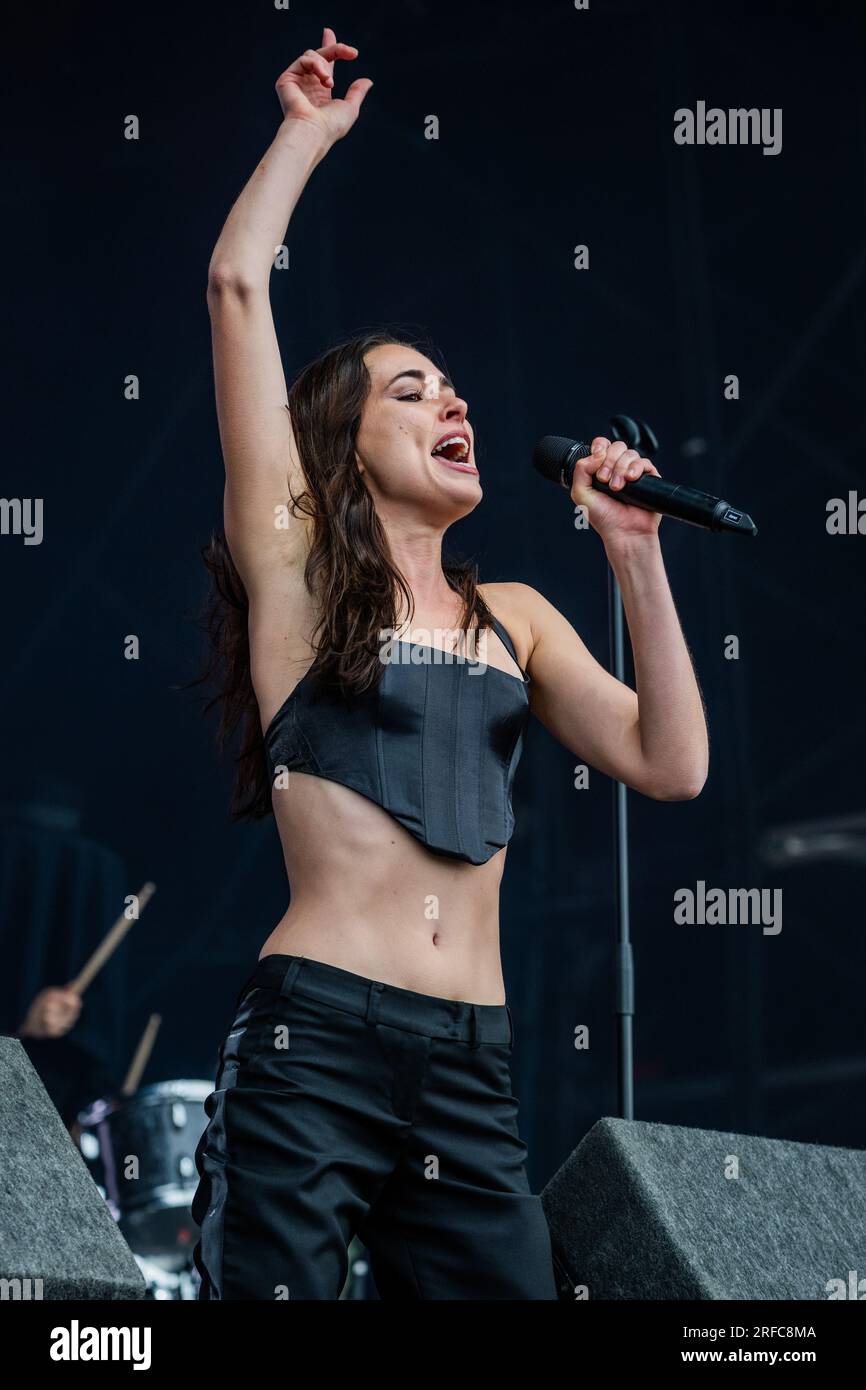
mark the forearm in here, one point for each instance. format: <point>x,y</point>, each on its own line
<point>244,254</point>
<point>671,722</point>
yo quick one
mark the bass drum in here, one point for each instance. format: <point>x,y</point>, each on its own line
<point>140,1151</point>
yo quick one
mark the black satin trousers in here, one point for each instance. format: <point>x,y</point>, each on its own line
<point>345,1106</point>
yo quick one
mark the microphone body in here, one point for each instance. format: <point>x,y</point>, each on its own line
<point>555,458</point>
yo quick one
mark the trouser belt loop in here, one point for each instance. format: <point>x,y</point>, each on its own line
<point>474,1040</point>
<point>289,978</point>
<point>374,1000</point>
<point>510,1026</point>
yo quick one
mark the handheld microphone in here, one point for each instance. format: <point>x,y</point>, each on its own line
<point>555,457</point>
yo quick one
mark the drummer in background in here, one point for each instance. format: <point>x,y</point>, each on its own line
<point>71,1075</point>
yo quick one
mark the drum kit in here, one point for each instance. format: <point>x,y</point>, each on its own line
<point>140,1151</point>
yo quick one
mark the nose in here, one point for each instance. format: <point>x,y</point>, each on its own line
<point>454,409</point>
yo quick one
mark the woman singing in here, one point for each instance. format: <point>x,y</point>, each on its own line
<point>364,1086</point>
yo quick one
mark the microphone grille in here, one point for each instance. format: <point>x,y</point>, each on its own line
<point>550,455</point>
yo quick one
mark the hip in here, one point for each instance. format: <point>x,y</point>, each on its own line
<point>313,1032</point>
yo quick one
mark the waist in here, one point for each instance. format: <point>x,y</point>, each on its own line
<point>457,960</point>
<point>380,1002</point>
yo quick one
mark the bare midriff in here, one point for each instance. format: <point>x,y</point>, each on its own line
<point>370,898</point>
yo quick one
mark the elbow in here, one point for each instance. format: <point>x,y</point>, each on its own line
<point>226,280</point>
<point>678,788</point>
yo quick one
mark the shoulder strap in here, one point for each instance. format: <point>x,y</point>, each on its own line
<point>506,640</point>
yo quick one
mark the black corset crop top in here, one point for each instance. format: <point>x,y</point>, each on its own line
<point>435,743</point>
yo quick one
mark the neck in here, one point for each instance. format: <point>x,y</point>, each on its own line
<point>416,551</point>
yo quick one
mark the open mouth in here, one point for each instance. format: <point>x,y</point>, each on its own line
<point>453,451</point>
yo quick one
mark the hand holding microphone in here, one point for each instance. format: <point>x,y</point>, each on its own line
<point>600,476</point>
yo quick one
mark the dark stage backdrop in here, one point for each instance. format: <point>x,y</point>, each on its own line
<point>555,131</point>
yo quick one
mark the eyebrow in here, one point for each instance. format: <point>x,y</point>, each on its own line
<point>419,376</point>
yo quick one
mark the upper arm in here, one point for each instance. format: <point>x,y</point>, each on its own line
<point>258,444</point>
<point>586,709</point>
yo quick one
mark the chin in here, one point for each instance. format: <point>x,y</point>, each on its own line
<point>467,501</point>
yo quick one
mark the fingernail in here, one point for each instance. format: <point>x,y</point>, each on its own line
<point>604,473</point>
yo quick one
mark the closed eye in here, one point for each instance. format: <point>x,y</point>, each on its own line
<point>412,396</point>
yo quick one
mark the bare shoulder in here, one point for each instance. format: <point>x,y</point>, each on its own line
<point>521,610</point>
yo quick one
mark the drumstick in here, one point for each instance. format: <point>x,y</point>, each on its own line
<point>110,942</point>
<point>141,1056</point>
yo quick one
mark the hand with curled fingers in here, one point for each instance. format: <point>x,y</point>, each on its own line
<point>52,1013</point>
<point>616,465</point>
<point>305,89</point>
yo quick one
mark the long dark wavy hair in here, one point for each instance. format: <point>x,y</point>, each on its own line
<point>349,571</point>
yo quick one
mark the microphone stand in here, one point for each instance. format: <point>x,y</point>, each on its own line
<point>637,434</point>
<point>624,970</point>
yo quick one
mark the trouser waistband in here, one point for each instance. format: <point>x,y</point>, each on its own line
<point>377,1002</point>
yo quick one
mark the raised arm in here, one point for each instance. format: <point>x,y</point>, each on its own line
<point>255,430</point>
